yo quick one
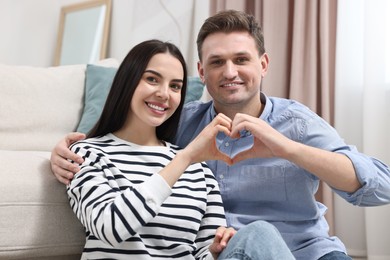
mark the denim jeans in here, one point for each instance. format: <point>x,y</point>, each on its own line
<point>258,240</point>
<point>335,255</point>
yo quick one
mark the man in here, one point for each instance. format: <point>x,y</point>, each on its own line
<point>282,151</point>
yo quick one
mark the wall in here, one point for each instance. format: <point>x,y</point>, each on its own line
<point>29,28</point>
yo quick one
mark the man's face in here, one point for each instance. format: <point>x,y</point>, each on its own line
<point>232,69</point>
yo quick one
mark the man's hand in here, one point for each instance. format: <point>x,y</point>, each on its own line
<point>62,168</point>
<point>221,239</point>
<point>268,142</point>
<point>335,169</point>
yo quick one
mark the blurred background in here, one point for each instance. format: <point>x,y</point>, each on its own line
<point>333,56</point>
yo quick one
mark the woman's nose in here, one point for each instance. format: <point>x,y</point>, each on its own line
<point>163,91</point>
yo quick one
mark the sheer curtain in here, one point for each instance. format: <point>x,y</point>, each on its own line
<point>362,113</point>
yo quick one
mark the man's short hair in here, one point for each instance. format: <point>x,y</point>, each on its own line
<point>231,21</point>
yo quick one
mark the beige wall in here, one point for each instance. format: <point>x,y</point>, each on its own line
<point>28,28</point>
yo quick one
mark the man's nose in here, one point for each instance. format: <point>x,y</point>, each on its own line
<point>230,70</point>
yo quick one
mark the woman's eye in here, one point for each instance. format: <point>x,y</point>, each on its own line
<point>151,79</point>
<point>176,87</point>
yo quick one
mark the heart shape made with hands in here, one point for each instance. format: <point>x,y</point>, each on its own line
<point>233,146</point>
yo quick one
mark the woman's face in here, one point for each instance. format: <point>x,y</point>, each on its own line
<point>158,93</point>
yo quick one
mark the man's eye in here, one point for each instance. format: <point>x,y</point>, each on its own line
<point>241,60</point>
<point>216,62</point>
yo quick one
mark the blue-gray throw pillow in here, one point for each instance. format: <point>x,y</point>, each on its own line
<point>194,89</point>
<point>97,85</point>
<point>98,80</point>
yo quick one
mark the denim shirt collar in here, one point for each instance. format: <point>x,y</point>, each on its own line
<point>263,99</point>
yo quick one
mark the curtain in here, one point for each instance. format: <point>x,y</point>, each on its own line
<point>362,110</point>
<point>300,40</point>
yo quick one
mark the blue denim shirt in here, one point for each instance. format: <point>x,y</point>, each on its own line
<point>279,191</point>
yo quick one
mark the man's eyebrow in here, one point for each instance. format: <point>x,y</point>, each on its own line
<point>214,56</point>
<point>218,56</point>
<point>242,53</point>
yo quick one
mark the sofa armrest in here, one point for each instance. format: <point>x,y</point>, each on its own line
<point>35,217</point>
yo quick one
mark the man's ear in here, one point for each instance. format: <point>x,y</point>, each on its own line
<point>264,64</point>
<point>201,71</point>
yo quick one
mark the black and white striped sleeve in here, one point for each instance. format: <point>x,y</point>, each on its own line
<point>214,217</point>
<point>110,213</point>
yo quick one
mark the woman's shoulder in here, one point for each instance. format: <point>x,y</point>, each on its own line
<point>93,143</point>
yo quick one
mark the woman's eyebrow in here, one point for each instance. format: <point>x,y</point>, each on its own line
<point>159,75</point>
<point>154,72</point>
<point>178,80</point>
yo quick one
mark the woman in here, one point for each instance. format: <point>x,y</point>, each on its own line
<point>137,195</point>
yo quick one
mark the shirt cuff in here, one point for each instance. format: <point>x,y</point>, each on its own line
<point>366,173</point>
<point>156,190</point>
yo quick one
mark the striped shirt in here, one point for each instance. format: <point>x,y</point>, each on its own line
<point>130,212</point>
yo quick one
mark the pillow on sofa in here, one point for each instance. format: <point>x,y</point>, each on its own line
<point>40,105</point>
<point>97,85</point>
<point>194,89</point>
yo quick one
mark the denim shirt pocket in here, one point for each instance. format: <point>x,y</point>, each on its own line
<point>262,183</point>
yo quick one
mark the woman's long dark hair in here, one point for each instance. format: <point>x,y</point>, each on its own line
<point>125,82</point>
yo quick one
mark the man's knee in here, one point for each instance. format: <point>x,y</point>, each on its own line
<point>262,233</point>
<point>261,227</point>
<point>258,240</point>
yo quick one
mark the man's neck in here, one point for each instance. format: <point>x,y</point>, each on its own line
<point>254,108</point>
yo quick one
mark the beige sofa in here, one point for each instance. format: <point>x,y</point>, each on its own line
<point>38,107</point>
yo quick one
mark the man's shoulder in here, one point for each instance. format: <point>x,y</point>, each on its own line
<point>195,109</point>
<point>197,105</point>
<point>284,102</point>
<point>194,117</point>
<point>290,108</point>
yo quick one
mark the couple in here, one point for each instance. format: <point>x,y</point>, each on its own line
<point>138,194</point>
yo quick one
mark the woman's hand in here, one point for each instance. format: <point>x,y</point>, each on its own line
<point>221,239</point>
<point>203,147</point>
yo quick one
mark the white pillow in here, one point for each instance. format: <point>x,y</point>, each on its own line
<point>39,106</point>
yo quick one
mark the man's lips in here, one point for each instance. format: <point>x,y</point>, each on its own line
<point>231,85</point>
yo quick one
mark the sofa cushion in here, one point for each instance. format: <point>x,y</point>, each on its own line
<point>35,216</point>
<point>39,106</point>
<point>98,83</point>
